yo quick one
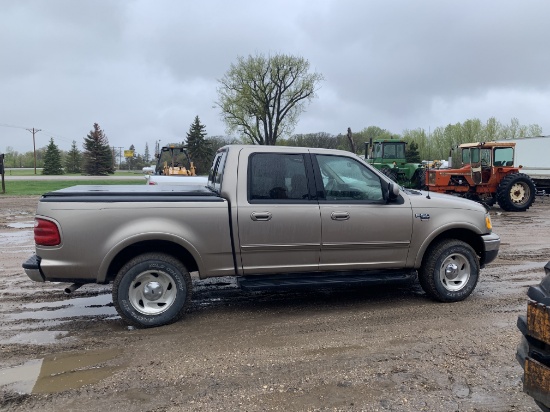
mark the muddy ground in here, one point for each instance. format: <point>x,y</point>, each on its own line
<point>375,348</point>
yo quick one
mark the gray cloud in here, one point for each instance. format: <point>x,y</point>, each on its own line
<point>143,70</point>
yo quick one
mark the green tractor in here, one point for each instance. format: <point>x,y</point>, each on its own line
<point>388,156</point>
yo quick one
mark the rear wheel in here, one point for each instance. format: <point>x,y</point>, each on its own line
<point>152,289</point>
<point>419,179</point>
<point>450,271</point>
<point>516,192</point>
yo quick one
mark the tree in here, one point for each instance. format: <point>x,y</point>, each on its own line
<point>73,160</point>
<point>52,160</point>
<point>198,147</point>
<point>97,156</point>
<point>146,155</point>
<point>411,153</point>
<point>322,140</point>
<point>262,97</point>
<point>216,142</point>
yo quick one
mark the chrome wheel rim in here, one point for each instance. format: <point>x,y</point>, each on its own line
<point>152,292</point>
<point>454,272</point>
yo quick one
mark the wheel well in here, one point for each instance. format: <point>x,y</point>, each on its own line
<point>464,235</point>
<point>159,246</point>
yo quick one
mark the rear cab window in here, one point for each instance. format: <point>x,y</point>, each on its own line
<point>278,177</point>
<point>215,176</point>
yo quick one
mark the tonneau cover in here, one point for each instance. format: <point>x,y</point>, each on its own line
<point>133,193</point>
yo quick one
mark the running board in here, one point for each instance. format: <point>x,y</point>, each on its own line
<point>324,279</point>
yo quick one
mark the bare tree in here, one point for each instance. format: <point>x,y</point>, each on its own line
<point>262,97</point>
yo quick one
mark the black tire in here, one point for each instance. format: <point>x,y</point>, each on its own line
<point>419,179</point>
<point>392,174</point>
<point>516,193</point>
<point>152,289</point>
<point>450,271</point>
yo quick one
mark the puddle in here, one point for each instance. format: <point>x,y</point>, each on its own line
<point>39,337</point>
<point>21,225</point>
<point>77,307</point>
<point>57,373</point>
<point>17,238</point>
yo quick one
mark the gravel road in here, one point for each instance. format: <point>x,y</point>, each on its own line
<point>371,349</point>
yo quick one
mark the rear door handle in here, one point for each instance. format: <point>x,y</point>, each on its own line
<point>339,216</point>
<point>264,216</point>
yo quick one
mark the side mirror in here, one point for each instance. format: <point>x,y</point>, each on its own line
<point>392,192</point>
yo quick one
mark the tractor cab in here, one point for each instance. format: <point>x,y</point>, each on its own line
<point>482,158</point>
<point>173,165</point>
<point>388,156</point>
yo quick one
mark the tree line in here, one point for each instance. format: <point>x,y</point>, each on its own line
<point>100,159</point>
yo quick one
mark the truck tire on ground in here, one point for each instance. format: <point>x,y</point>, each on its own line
<point>390,173</point>
<point>450,271</point>
<point>151,290</point>
<point>516,193</point>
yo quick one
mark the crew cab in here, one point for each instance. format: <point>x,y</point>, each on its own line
<point>271,216</point>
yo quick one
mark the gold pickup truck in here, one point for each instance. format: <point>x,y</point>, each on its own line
<point>533,352</point>
<point>272,217</point>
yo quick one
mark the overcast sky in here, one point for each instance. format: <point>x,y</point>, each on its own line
<point>144,69</point>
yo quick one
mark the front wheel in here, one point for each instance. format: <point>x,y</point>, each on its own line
<point>151,290</point>
<point>516,193</point>
<point>450,271</point>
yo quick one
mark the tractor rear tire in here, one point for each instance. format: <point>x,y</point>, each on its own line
<point>419,179</point>
<point>516,193</point>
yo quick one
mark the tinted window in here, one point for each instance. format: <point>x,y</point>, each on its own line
<point>346,179</point>
<point>277,176</point>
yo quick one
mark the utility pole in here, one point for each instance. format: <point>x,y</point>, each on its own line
<point>120,155</point>
<point>34,131</point>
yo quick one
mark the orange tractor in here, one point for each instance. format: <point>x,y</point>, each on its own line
<point>487,175</point>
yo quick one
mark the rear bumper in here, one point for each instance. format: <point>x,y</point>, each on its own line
<point>32,269</point>
<point>491,243</point>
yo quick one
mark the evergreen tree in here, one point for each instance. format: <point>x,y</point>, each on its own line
<point>411,153</point>
<point>199,149</point>
<point>73,161</point>
<point>146,154</point>
<point>52,160</point>
<point>97,156</point>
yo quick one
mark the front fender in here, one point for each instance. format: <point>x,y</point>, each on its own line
<point>463,231</point>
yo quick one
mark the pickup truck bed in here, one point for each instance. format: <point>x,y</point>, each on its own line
<point>131,193</point>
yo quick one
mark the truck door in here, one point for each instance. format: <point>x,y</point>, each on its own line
<point>279,224</point>
<point>359,230</point>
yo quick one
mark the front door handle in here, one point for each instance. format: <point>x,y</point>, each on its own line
<point>339,216</point>
<point>264,216</point>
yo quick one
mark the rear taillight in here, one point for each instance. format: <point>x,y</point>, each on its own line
<point>46,233</point>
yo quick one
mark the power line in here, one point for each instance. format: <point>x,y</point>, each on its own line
<point>12,126</point>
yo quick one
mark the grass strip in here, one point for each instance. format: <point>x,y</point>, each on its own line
<point>39,187</point>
